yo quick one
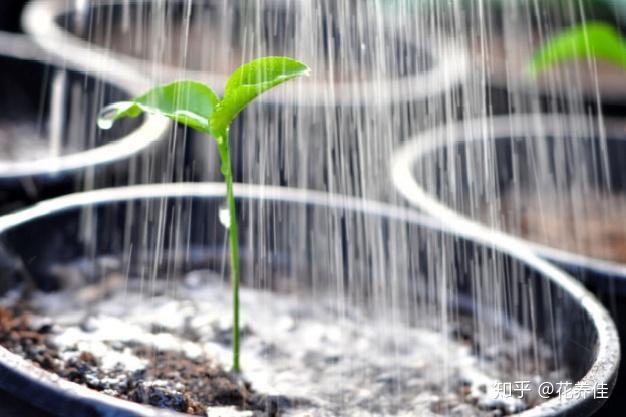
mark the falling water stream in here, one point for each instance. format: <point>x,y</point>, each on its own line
<point>383,72</point>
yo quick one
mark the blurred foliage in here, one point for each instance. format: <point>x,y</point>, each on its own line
<point>594,40</point>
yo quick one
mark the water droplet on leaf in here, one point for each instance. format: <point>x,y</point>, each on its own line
<point>107,117</point>
<point>112,112</point>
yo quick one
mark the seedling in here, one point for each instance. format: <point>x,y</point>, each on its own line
<point>593,40</point>
<point>196,105</point>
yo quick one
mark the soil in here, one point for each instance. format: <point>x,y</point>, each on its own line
<point>592,226</point>
<point>169,351</point>
<point>158,384</point>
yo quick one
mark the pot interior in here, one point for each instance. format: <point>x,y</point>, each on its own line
<point>558,182</point>
<point>48,111</point>
<point>217,36</point>
<point>390,271</point>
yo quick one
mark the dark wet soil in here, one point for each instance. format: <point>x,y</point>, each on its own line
<point>174,381</point>
<point>170,380</point>
<point>135,369</point>
<point>594,227</point>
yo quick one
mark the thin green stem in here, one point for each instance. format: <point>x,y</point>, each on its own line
<point>224,151</point>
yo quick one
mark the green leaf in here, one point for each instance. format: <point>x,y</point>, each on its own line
<point>594,40</point>
<point>197,106</point>
<point>188,102</point>
<point>249,81</point>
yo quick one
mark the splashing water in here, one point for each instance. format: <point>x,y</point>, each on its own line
<point>383,71</point>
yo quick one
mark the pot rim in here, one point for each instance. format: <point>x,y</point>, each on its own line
<point>152,129</point>
<point>603,369</point>
<point>450,68</point>
<point>499,128</point>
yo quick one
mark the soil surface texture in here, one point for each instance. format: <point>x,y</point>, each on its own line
<point>592,226</point>
<point>172,350</point>
<point>169,380</point>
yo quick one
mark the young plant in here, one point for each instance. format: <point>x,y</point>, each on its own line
<point>196,105</point>
<point>593,40</point>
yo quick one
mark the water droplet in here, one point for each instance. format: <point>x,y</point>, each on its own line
<point>107,117</point>
<point>105,124</point>
<point>224,216</point>
<point>110,113</point>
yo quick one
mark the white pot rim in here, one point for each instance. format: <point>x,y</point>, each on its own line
<point>417,147</point>
<point>152,129</point>
<point>602,370</point>
<point>449,69</point>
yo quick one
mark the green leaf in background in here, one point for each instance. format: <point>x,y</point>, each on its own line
<point>249,81</point>
<point>188,102</point>
<point>594,40</point>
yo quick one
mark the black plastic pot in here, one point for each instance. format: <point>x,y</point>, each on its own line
<point>308,133</point>
<point>285,236</point>
<point>10,12</point>
<point>464,172</point>
<point>56,106</point>
<point>540,155</point>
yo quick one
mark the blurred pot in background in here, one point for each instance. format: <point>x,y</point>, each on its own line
<point>10,12</point>
<point>112,254</point>
<point>49,142</point>
<point>515,34</point>
<point>373,78</point>
<point>555,181</point>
